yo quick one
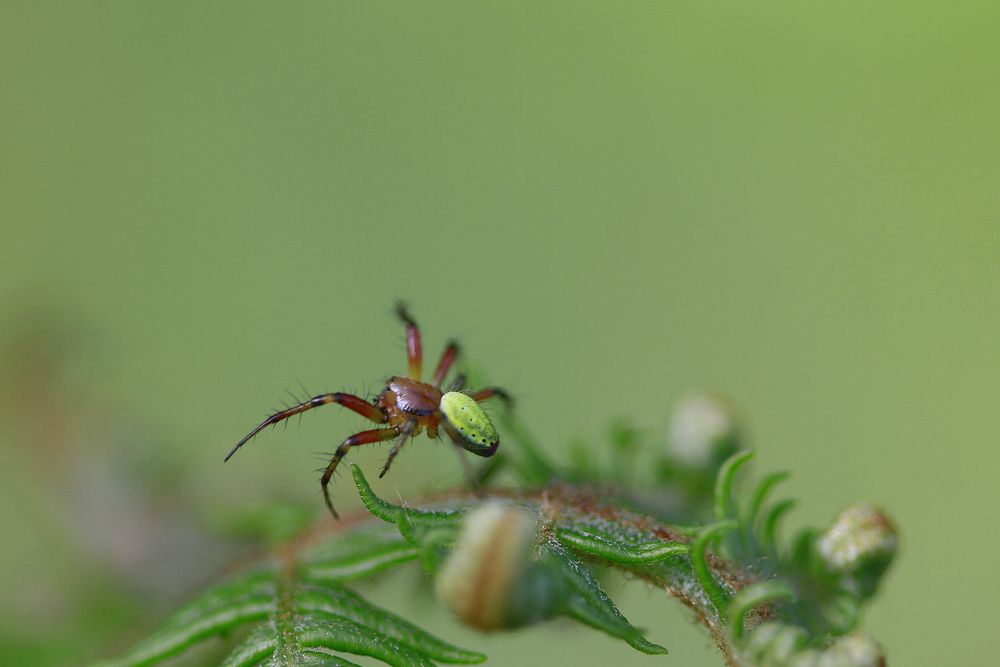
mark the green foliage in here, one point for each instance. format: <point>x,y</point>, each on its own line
<point>300,615</point>
<point>583,597</point>
<point>713,548</point>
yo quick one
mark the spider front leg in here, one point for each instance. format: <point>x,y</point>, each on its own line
<point>362,438</point>
<point>405,432</point>
<point>349,401</point>
<point>448,357</point>
<point>414,351</point>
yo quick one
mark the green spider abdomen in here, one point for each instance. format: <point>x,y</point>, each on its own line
<point>467,419</point>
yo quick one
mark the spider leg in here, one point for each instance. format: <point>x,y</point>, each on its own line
<point>444,363</point>
<point>414,352</point>
<point>471,477</point>
<point>458,383</point>
<point>490,392</point>
<point>362,438</point>
<point>349,401</point>
<point>404,434</point>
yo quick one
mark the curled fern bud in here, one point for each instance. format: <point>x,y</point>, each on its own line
<point>775,643</point>
<point>493,579</point>
<point>860,544</point>
<point>853,651</point>
<point>703,431</point>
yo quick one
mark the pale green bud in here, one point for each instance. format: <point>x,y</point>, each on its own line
<point>774,644</point>
<point>860,544</point>
<point>492,578</point>
<point>703,431</point>
<point>854,650</point>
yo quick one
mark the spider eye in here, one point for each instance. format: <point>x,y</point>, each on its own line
<point>468,420</point>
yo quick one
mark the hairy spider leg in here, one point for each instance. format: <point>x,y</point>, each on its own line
<point>490,392</point>
<point>484,394</point>
<point>414,352</point>
<point>405,432</point>
<point>471,477</point>
<point>458,384</point>
<point>448,357</point>
<point>362,438</point>
<point>349,401</point>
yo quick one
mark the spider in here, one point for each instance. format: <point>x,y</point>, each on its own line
<point>405,407</point>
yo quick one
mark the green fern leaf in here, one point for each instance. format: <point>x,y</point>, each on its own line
<point>302,617</point>
<point>587,601</point>
<point>369,549</point>
<point>764,603</point>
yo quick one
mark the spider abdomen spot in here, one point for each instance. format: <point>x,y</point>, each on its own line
<point>470,422</point>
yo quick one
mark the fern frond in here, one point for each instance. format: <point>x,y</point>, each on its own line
<point>301,615</point>
<point>533,553</point>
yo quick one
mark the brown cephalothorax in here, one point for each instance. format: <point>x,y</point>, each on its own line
<point>405,407</point>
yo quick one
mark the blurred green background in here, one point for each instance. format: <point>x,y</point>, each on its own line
<point>610,203</point>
